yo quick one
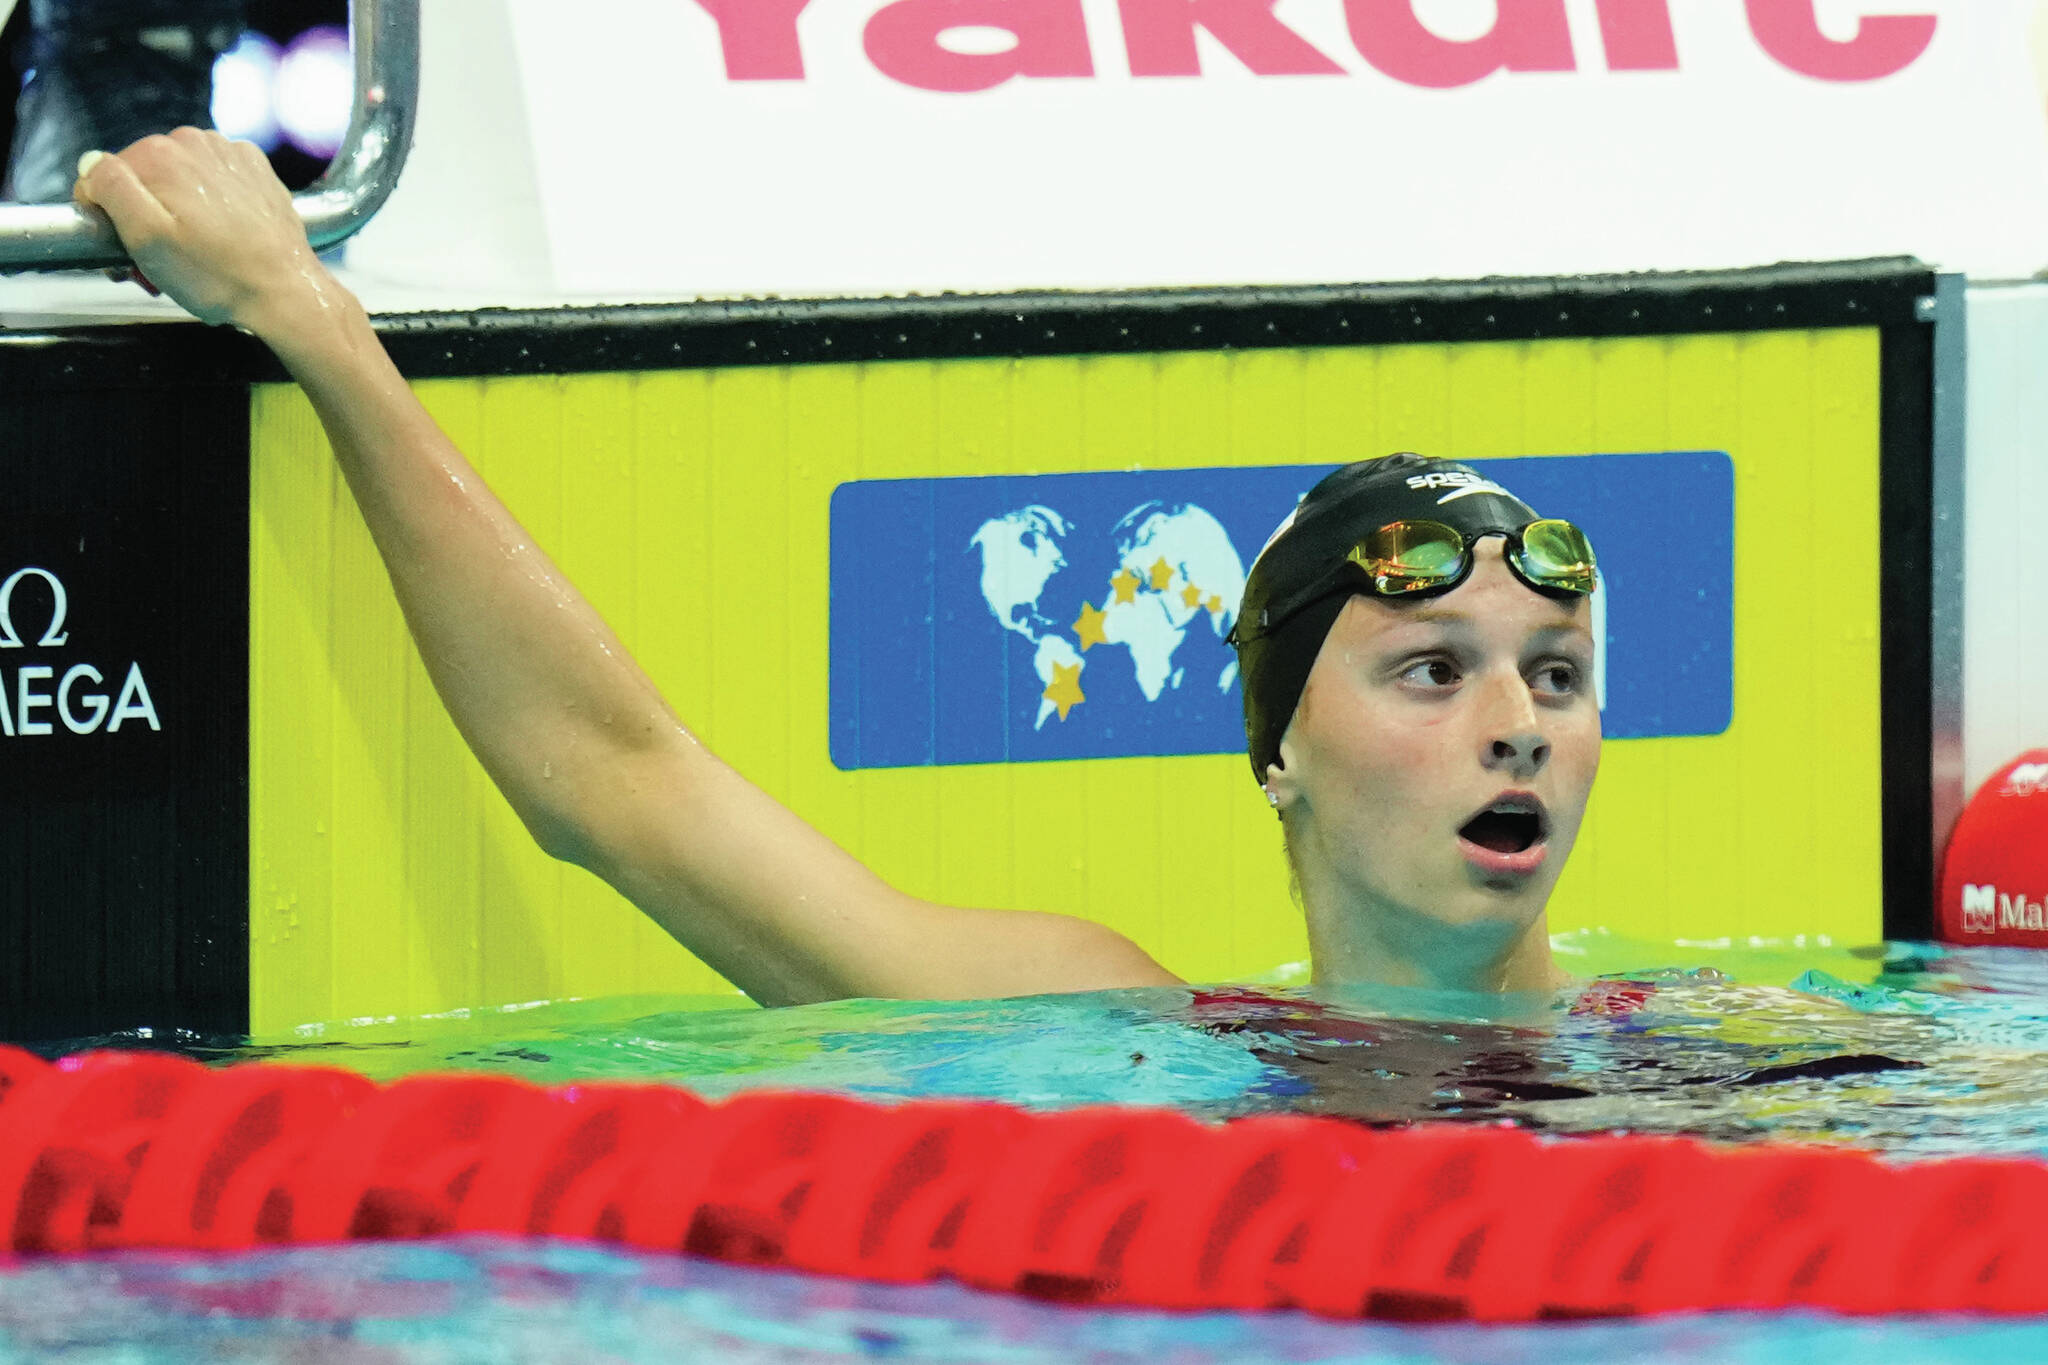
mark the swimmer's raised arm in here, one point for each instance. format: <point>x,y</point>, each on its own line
<point>573,733</point>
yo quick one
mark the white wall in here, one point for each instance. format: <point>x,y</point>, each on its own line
<point>609,153</point>
<point>464,227</point>
<point>2005,598</point>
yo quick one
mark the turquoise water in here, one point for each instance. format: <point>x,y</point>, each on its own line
<point>1914,1052</point>
<point>488,1302</point>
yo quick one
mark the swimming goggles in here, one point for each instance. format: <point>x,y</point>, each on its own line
<point>1406,559</point>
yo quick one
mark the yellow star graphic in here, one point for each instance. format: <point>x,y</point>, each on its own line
<point>1126,585</point>
<point>1215,605</point>
<point>1162,574</point>
<point>1065,689</point>
<point>1088,628</point>
<point>1191,595</point>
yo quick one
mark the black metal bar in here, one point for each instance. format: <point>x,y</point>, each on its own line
<point>1904,556</point>
<point>798,332</point>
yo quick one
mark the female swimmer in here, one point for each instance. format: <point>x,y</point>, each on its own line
<point>1422,720</point>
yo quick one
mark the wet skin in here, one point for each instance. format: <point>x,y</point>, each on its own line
<point>1416,717</point>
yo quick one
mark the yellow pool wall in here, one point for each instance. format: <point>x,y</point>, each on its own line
<point>388,878</point>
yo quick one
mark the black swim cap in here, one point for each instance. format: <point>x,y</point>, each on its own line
<point>1275,650</point>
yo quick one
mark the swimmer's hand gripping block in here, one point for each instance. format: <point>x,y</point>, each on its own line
<point>1092,1206</point>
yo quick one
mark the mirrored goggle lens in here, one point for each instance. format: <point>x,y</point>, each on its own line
<point>1556,554</point>
<point>1411,556</point>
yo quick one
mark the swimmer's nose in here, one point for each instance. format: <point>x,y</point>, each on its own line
<point>1516,745</point>
<point>1519,755</point>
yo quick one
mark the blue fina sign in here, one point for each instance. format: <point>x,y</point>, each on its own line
<point>1026,618</point>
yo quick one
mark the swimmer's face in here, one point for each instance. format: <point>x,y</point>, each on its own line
<point>1420,716</point>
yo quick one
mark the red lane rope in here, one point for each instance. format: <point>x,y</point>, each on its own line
<point>1102,1206</point>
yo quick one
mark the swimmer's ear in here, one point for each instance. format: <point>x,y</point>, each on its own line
<point>1281,789</point>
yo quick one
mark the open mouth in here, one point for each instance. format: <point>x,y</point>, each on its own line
<point>1511,825</point>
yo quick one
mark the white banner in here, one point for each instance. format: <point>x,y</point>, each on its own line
<point>796,147</point>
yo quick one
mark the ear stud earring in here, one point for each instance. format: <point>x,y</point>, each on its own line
<point>1273,798</point>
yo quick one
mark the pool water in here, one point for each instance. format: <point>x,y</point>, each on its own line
<point>1915,1051</point>
<point>491,1301</point>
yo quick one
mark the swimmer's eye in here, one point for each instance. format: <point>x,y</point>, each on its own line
<point>1431,673</point>
<point>1557,679</point>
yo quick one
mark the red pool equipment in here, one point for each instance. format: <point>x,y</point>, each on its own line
<point>1994,878</point>
<point>1098,1206</point>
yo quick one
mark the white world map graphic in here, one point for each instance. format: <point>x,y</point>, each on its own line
<point>1175,569</point>
<point>1175,565</point>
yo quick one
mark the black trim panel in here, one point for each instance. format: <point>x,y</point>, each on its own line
<point>124,898</point>
<point>800,332</point>
<point>654,337</point>
<point>1905,559</point>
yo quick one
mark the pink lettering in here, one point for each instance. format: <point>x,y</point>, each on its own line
<point>908,40</point>
<point>1637,35</point>
<point>1883,45</point>
<point>903,41</point>
<point>1527,35</point>
<point>759,38</point>
<point>1160,37</point>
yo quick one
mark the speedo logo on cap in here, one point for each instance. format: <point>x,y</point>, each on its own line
<point>1462,485</point>
<point>1986,912</point>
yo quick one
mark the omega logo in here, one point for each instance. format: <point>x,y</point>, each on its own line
<point>54,636</point>
<point>28,700</point>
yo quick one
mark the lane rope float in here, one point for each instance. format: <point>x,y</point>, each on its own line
<point>1094,1206</point>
